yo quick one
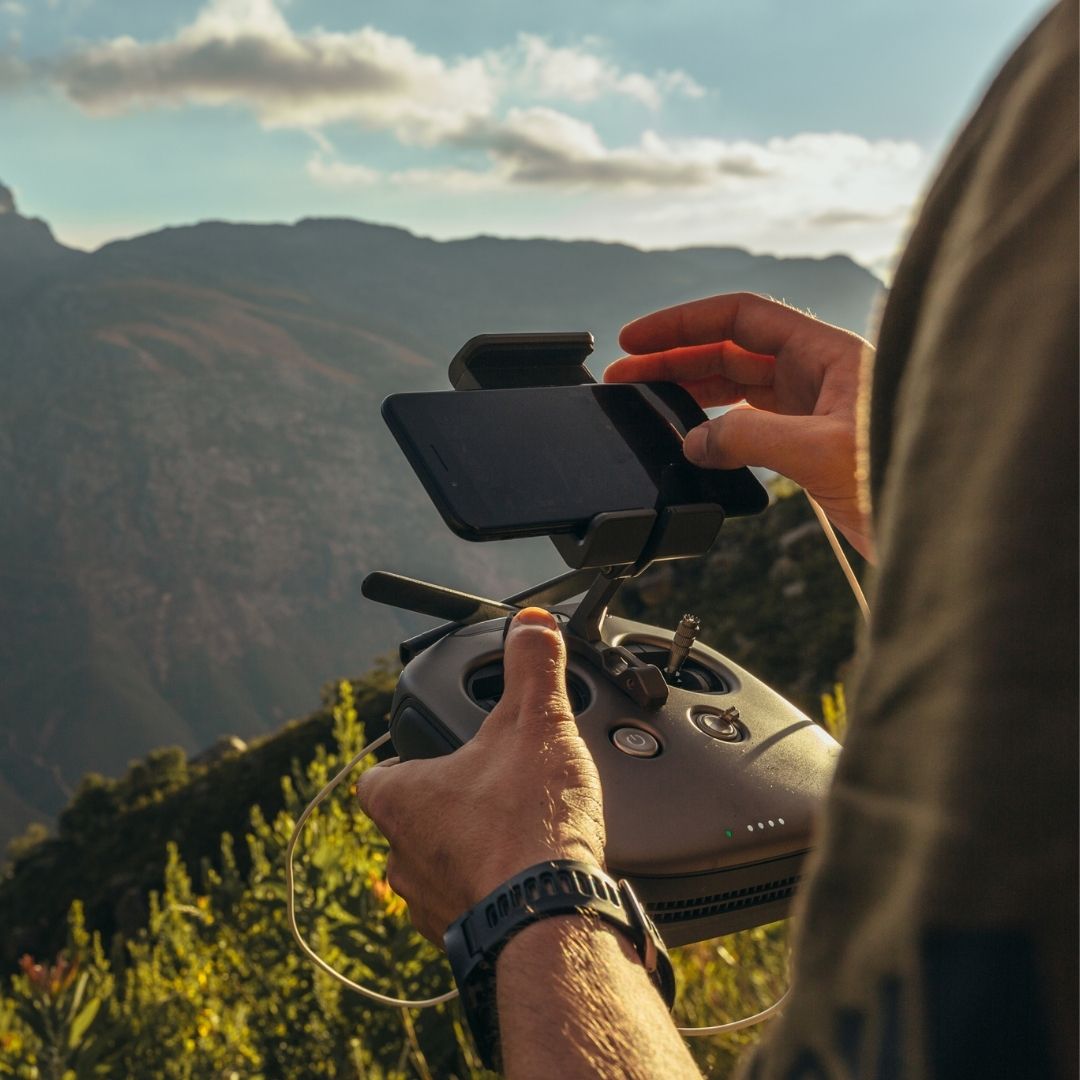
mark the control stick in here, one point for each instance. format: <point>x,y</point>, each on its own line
<point>685,635</point>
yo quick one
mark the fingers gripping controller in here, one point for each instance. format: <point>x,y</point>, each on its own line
<point>709,823</point>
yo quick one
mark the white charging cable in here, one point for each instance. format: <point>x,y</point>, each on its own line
<point>736,1025</point>
<point>838,551</point>
<point>290,894</point>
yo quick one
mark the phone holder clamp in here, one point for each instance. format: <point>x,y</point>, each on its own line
<point>634,539</point>
<point>513,361</point>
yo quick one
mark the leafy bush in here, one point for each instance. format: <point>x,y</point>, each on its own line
<point>215,987</point>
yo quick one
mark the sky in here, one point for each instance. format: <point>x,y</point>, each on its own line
<point>781,126</point>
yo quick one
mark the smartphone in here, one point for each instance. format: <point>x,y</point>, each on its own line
<point>543,460</point>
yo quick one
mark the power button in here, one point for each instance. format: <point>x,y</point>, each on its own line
<point>635,742</point>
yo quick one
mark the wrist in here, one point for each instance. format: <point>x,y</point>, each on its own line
<point>551,890</point>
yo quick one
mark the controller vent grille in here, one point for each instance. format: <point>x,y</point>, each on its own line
<point>703,907</point>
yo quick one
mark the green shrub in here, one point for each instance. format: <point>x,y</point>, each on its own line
<point>214,986</point>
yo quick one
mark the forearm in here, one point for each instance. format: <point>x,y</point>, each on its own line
<point>574,1000</point>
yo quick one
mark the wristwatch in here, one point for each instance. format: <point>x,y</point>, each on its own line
<point>561,887</point>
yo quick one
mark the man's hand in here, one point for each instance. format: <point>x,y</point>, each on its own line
<point>573,997</point>
<point>523,790</point>
<point>796,377</point>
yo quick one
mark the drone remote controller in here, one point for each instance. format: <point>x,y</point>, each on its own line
<point>711,780</point>
<point>709,796</point>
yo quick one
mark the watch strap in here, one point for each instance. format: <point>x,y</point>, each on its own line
<point>559,887</point>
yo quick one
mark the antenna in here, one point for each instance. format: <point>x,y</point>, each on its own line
<point>412,594</point>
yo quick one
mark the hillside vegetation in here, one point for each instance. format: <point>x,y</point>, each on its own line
<point>214,986</point>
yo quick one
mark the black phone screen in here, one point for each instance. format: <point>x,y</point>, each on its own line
<point>501,463</point>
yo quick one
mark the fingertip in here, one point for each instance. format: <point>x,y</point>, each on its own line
<point>695,445</point>
<point>613,372</point>
<point>629,333</point>
<point>534,660</point>
<point>534,616</point>
<point>719,443</point>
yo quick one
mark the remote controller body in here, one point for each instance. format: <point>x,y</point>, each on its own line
<point>710,799</point>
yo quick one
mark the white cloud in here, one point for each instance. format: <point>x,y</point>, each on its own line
<point>812,181</point>
<point>840,217</point>
<point>13,8</point>
<point>448,179</point>
<point>821,178</point>
<point>540,146</point>
<point>244,53</point>
<point>811,194</point>
<point>544,72</point>
<point>822,193</point>
<point>338,174</point>
<point>678,82</point>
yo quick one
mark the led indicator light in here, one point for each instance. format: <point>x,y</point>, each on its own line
<point>728,833</point>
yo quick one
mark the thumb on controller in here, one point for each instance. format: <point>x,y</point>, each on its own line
<point>534,669</point>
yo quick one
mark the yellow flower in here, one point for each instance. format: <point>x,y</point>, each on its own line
<point>207,1023</point>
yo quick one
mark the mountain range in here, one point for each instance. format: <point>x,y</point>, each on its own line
<point>195,477</point>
